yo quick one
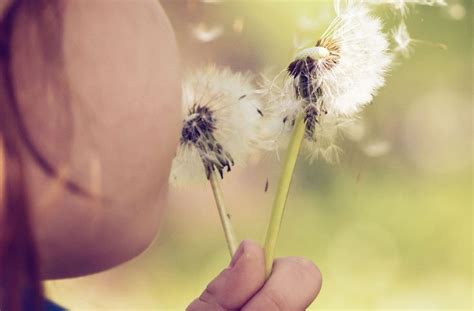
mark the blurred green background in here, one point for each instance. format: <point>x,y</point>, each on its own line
<point>390,226</point>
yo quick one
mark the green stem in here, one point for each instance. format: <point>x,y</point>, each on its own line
<point>282,192</point>
<point>223,214</point>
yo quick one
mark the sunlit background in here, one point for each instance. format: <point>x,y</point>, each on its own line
<point>390,226</point>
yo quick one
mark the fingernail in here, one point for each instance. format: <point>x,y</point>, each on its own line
<point>238,253</point>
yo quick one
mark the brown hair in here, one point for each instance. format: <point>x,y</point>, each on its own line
<point>18,255</point>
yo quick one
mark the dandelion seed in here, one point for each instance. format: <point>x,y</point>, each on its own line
<point>356,131</point>
<point>377,148</point>
<point>400,35</point>
<point>402,39</point>
<point>205,33</point>
<point>399,5</point>
<point>432,2</point>
<point>402,5</point>
<point>221,124</point>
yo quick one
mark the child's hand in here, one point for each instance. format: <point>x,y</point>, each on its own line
<point>293,285</point>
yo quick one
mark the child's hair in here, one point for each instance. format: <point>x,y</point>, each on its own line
<point>19,271</point>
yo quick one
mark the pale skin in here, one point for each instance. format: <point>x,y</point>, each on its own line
<point>122,64</point>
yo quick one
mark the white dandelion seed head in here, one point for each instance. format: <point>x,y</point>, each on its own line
<point>330,82</point>
<point>348,76</point>
<point>221,124</point>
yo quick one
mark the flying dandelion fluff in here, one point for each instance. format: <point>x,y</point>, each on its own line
<point>329,84</point>
<point>220,129</point>
<point>401,38</point>
<point>402,5</point>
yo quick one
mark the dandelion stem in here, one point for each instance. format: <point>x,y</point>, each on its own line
<point>223,214</point>
<point>282,192</point>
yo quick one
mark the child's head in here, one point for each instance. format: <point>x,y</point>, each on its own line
<point>89,117</point>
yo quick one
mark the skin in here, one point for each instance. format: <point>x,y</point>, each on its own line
<point>116,138</point>
<point>293,285</point>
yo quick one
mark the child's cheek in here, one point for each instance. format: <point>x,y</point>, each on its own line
<point>123,84</point>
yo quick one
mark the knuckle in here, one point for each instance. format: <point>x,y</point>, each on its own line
<point>205,302</point>
<point>267,300</point>
<point>208,295</point>
<point>273,301</point>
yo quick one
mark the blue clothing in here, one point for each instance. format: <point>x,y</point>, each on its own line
<point>47,304</point>
<point>51,306</point>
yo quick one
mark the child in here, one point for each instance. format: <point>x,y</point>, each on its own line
<point>89,122</point>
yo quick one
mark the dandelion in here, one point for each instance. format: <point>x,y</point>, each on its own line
<point>329,83</point>
<point>221,122</point>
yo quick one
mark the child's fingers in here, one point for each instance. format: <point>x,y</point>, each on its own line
<point>238,283</point>
<point>293,285</point>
